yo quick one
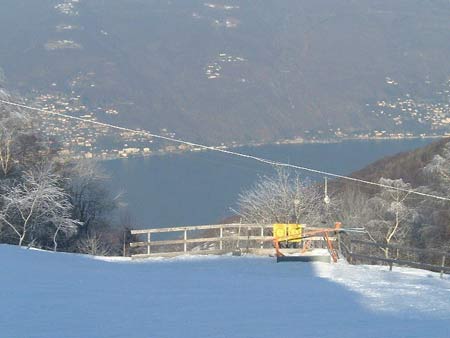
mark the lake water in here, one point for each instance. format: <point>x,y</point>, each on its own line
<point>200,188</point>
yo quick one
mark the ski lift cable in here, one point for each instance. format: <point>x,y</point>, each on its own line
<point>225,151</point>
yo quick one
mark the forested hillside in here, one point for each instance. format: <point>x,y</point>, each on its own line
<point>400,216</point>
<point>236,70</point>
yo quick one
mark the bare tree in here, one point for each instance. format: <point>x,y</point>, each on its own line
<point>5,149</point>
<point>352,207</point>
<point>20,145</point>
<point>438,170</point>
<point>12,126</point>
<point>34,203</point>
<point>91,200</point>
<point>391,217</point>
<point>435,230</point>
<point>282,198</point>
<point>93,244</point>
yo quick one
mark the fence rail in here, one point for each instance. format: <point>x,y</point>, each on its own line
<point>396,246</point>
<point>349,251</point>
<point>201,227</point>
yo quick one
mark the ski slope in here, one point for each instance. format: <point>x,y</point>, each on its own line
<point>45,294</point>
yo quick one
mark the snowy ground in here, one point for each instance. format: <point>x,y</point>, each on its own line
<point>50,295</point>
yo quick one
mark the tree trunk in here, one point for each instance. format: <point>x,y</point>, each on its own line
<point>21,238</point>
<point>55,244</point>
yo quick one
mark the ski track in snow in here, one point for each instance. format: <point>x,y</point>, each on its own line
<point>56,295</point>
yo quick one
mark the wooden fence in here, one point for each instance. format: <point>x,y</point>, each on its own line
<point>258,239</point>
<point>357,251</point>
<point>207,239</point>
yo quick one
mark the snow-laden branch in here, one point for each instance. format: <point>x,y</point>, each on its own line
<point>36,201</point>
<point>282,198</point>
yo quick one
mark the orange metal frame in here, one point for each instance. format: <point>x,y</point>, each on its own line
<point>324,232</point>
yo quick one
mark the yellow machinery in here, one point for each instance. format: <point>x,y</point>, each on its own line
<point>288,234</point>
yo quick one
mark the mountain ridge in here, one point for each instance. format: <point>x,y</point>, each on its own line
<point>235,71</point>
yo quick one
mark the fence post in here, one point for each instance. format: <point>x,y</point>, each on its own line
<point>248,239</point>
<point>239,238</point>
<point>443,265</point>
<point>221,236</point>
<point>390,266</point>
<point>185,238</point>
<point>351,252</point>
<point>262,235</point>
<point>124,250</point>
<point>339,243</point>
<point>148,243</point>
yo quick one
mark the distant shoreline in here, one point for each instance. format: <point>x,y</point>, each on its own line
<point>275,143</point>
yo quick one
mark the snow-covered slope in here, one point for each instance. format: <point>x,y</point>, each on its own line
<point>44,294</point>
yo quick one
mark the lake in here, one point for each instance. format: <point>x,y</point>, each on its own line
<point>200,188</point>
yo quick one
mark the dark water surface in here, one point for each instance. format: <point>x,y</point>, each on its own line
<point>200,188</point>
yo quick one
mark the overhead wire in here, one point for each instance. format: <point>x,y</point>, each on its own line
<point>226,151</point>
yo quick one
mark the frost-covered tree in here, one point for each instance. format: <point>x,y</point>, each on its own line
<point>282,198</point>
<point>391,218</point>
<point>438,170</point>
<point>93,244</point>
<point>435,229</point>
<point>36,204</point>
<point>20,146</point>
<point>352,207</point>
<point>91,200</point>
<point>11,129</point>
